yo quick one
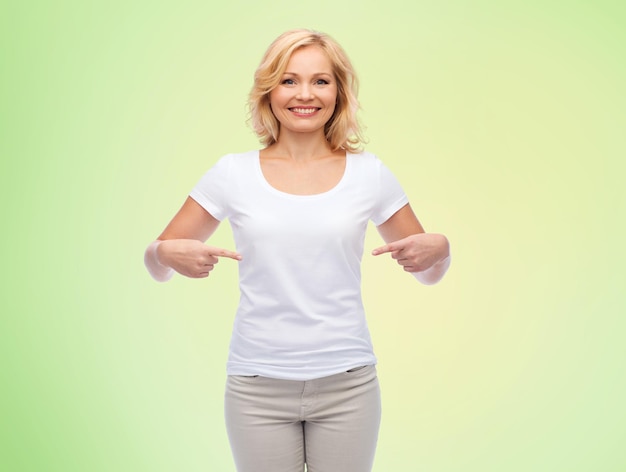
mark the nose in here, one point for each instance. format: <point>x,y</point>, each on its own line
<point>305,92</point>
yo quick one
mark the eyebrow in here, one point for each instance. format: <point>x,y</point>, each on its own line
<point>315,74</point>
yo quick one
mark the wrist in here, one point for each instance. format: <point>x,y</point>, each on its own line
<point>158,253</point>
<point>159,271</point>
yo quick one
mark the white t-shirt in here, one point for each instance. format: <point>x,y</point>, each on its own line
<point>300,313</point>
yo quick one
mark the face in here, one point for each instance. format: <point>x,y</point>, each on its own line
<point>305,99</point>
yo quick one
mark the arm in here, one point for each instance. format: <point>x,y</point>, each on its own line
<point>180,247</point>
<point>425,255</point>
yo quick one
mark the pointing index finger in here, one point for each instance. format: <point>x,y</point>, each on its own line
<point>230,254</point>
<point>383,249</point>
<point>226,253</point>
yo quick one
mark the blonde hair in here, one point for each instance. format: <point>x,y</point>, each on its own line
<point>342,130</point>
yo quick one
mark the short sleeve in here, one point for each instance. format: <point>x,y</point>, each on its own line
<point>391,196</point>
<point>210,191</point>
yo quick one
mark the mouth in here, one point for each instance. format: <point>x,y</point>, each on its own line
<point>304,110</point>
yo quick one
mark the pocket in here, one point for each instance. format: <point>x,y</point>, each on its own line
<point>243,379</point>
<point>356,369</point>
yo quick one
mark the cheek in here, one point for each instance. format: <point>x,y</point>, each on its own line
<point>278,94</point>
<point>334,103</point>
<point>272,98</point>
<point>274,105</point>
<point>333,97</point>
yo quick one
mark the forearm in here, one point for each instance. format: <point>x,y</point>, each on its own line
<point>158,271</point>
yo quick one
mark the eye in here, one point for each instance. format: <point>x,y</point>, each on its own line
<point>288,82</point>
<point>321,82</point>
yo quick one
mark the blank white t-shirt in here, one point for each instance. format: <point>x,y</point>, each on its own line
<point>300,313</point>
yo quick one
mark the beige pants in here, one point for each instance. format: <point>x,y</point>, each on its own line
<point>331,424</point>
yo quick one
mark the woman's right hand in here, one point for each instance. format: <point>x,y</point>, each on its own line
<point>190,257</point>
<point>180,246</point>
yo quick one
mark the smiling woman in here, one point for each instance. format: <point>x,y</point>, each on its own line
<point>342,129</point>
<point>302,386</point>
<point>306,97</point>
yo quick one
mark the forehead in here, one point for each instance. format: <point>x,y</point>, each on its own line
<point>310,58</point>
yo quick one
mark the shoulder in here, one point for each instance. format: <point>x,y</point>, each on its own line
<point>364,158</point>
<point>364,155</point>
<point>229,172</point>
<point>366,161</point>
<point>370,165</point>
<point>238,157</point>
<point>227,162</point>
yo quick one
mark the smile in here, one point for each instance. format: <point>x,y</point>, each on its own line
<point>304,111</point>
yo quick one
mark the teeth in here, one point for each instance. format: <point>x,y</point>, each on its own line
<point>304,111</point>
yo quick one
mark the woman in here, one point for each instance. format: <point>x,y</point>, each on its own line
<point>302,385</point>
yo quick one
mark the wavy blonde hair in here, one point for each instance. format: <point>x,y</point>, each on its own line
<point>342,130</point>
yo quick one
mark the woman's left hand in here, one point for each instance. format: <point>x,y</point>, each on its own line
<point>418,252</point>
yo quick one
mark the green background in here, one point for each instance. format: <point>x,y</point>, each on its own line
<point>504,122</point>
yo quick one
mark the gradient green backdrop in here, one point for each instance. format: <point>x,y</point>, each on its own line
<point>505,122</point>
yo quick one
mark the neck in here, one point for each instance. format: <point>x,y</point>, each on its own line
<point>301,146</point>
